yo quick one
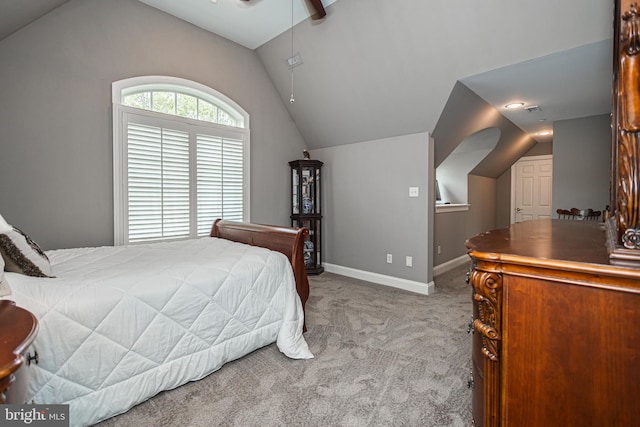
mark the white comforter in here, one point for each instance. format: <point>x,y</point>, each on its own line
<point>120,324</point>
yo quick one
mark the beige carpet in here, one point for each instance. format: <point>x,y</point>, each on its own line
<point>383,357</point>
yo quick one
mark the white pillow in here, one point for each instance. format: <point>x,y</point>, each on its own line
<point>21,254</point>
<point>4,226</point>
<point>4,286</point>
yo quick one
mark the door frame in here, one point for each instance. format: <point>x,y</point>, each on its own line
<point>512,214</point>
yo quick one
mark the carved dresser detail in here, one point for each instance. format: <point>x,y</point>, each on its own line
<point>624,226</point>
<point>487,300</point>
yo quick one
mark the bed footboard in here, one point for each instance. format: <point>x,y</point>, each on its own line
<point>287,240</point>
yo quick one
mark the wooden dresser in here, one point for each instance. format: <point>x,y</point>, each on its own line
<point>18,328</point>
<point>556,328</point>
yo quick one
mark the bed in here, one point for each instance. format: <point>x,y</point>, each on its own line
<point>117,325</point>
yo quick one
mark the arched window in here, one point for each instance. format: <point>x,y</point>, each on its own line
<point>181,159</point>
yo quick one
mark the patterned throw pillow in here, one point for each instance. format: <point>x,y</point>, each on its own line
<point>23,255</point>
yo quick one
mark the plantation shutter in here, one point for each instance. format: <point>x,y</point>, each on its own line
<point>232,186</point>
<point>180,178</point>
<point>220,179</point>
<point>209,177</point>
<point>157,183</point>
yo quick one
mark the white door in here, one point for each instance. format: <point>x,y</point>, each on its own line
<point>532,179</point>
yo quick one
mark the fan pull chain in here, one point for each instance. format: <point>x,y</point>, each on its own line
<point>292,99</point>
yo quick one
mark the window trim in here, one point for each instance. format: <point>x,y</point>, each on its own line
<point>119,90</point>
<point>452,207</point>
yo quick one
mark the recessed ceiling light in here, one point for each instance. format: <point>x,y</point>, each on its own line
<point>545,133</point>
<point>514,105</point>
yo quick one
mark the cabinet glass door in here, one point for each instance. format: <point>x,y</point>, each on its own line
<point>305,208</point>
<point>295,187</point>
<point>308,190</point>
<point>312,244</point>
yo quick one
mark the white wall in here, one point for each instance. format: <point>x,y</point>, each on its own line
<point>366,206</point>
<point>55,144</point>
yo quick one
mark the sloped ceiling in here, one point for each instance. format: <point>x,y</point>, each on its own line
<point>249,23</point>
<point>465,114</point>
<point>565,85</point>
<point>376,68</point>
<point>15,14</point>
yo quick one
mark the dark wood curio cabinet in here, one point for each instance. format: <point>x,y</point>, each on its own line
<point>306,209</point>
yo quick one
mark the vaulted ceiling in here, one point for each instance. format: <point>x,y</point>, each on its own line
<point>373,69</point>
<point>376,69</point>
<point>15,14</point>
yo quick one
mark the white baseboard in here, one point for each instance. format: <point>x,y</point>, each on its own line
<point>451,264</point>
<point>381,279</point>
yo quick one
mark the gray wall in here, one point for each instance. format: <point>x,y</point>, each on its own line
<point>581,153</point>
<point>503,199</point>
<point>452,229</point>
<point>367,210</point>
<point>482,201</point>
<point>450,233</point>
<point>55,144</point>
<point>540,149</point>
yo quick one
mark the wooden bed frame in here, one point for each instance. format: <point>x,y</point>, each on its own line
<point>287,240</point>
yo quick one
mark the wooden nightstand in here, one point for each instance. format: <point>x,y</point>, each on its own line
<point>18,329</point>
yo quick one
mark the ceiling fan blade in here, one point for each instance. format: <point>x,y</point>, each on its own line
<point>320,12</point>
<point>316,5</point>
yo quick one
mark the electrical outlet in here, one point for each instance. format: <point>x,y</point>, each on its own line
<point>389,258</point>
<point>414,191</point>
<point>439,250</point>
<point>409,261</point>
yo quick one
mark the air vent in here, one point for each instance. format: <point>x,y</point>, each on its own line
<point>533,109</point>
<point>294,61</point>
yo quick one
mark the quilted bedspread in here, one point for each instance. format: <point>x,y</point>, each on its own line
<point>117,325</point>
